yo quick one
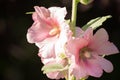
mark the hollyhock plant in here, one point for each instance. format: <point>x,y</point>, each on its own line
<point>67,51</point>
<point>86,53</point>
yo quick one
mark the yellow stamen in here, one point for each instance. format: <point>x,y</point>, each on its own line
<point>54,31</point>
<point>87,54</point>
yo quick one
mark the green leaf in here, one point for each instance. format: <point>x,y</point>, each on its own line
<point>53,68</point>
<point>95,23</point>
<point>85,2</point>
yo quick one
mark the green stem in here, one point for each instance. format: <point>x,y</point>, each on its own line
<point>73,25</point>
<point>73,17</point>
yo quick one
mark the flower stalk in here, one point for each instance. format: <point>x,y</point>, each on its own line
<point>73,25</point>
<point>74,15</point>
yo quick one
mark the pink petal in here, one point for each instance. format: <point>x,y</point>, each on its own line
<point>78,31</point>
<point>52,75</point>
<point>107,48</point>
<point>55,75</point>
<point>46,60</point>
<point>100,37</point>
<point>58,13</point>
<point>78,70</point>
<point>104,64</point>
<point>77,44</point>
<point>101,45</point>
<point>35,16</point>
<point>47,47</point>
<point>88,34</point>
<point>42,12</point>
<point>92,68</point>
<point>47,50</point>
<point>37,32</point>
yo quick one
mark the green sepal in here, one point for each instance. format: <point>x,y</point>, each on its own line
<point>95,23</point>
<point>67,21</point>
<point>53,67</point>
<point>29,12</point>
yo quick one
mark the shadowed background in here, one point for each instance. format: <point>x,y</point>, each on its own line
<point>18,58</point>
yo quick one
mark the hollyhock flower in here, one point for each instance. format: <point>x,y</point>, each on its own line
<point>53,52</point>
<point>50,34</point>
<point>54,47</point>
<point>49,31</point>
<point>47,23</point>
<point>86,53</point>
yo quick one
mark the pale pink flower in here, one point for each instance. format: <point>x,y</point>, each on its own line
<point>49,31</point>
<point>47,23</point>
<point>86,53</point>
<point>53,47</point>
<point>52,51</point>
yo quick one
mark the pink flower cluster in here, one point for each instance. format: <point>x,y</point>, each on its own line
<point>83,53</point>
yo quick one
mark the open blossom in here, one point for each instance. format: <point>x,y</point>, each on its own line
<point>86,53</point>
<point>51,48</point>
<point>50,33</point>
<point>54,53</point>
<point>47,23</point>
<point>48,27</point>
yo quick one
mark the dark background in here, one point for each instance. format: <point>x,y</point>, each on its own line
<point>18,58</point>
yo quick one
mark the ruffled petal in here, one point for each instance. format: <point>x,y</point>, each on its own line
<point>104,64</point>
<point>78,70</point>
<point>37,32</point>
<point>47,48</point>
<point>101,45</point>
<point>58,13</point>
<point>35,16</point>
<point>93,69</point>
<point>107,48</point>
<point>78,31</point>
<point>100,37</point>
<point>88,34</point>
<point>55,75</point>
<point>42,12</point>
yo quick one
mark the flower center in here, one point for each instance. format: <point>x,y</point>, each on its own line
<point>54,31</point>
<point>85,53</point>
